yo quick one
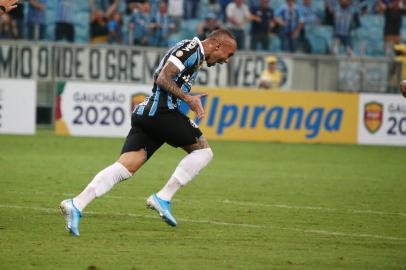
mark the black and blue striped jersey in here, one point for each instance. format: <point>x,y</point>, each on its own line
<point>188,56</point>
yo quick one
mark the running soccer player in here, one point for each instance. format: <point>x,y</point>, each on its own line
<point>158,120</point>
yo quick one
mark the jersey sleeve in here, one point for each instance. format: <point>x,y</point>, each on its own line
<point>185,56</point>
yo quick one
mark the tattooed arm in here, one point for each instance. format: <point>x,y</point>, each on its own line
<point>165,81</point>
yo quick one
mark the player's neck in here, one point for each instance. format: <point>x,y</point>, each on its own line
<point>207,48</point>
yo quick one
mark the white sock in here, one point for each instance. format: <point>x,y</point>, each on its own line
<point>188,168</point>
<point>101,184</point>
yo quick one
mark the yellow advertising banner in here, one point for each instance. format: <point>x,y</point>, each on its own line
<point>254,115</point>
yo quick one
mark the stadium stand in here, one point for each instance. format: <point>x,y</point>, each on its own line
<point>367,40</point>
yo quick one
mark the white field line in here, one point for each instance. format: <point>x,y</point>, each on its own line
<point>306,231</point>
<point>327,209</point>
<point>254,204</point>
<point>318,208</point>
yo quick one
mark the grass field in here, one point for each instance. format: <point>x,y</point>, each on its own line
<point>256,206</point>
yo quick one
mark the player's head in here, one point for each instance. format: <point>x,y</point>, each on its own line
<point>221,46</point>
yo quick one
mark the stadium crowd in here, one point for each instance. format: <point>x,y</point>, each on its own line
<point>269,25</point>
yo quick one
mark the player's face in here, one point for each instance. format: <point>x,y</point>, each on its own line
<point>222,54</point>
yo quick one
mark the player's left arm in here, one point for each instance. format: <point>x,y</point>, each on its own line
<point>166,82</point>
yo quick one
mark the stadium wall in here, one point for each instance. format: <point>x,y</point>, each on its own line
<point>246,116</point>
<point>124,64</point>
<point>89,109</point>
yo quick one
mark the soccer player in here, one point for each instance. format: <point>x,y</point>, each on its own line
<point>158,120</point>
<point>7,5</point>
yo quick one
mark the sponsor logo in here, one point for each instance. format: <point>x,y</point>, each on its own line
<point>136,99</point>
<point>276,118</point>
<point>193,123</point>
<point>190,46</point>
<point>186,78</point>
<point>179,54</point>
<point>373,115</point>
<point>99,97</point>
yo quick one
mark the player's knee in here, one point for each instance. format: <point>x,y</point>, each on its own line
<point>131,167</point>
<point>206,155</point>
<point>132,161</point>
<point>209,153</point>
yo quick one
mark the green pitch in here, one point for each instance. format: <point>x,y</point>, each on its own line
<point>256,206</point>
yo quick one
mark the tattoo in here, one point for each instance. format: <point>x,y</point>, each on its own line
<point>201,143</point>
<point>165,80</point>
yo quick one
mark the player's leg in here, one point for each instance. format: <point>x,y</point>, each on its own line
<point>199,155</point>
<point>136,150</point>
<point>106,179</point>
<point>186,134</point>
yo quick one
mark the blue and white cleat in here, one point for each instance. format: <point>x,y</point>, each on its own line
<point>72,216</point>
<point>163,208</point>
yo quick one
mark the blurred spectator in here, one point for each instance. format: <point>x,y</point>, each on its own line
<point>223,7</point>
<point>207,26</point>
<point>17,16</point>
<point>155,6</point>
<point>141,25</point>
<point>132,5</point>
<point>400,52</point>
<point>309,14</point>
<point>98,27</point>
<point>65,19</point>
<point>163,26</point>
<point>8,27</point>
<point>362,6</point>
<point>7,5</point>
<point>271,77</point>
<point>289,17</point>
<point>343,19</point>
<point>99,4</point>
<point>329,11</point>
<point>107,6</point>
<point>175,11</point>
<point>190,9</point>
<point>214,6</point>
<point>260,30</point>
<point>36,19</point>
<point>114,27</point>
<point>238,16</point>
<point>310,19</point>
<point>393,22</point>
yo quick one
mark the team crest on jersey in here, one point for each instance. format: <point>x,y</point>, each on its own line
<point>186,78</point>
<point>179,54</point>
<point>373,114</point>
<point>193,123</point>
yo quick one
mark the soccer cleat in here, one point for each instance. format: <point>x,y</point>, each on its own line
<point>163,208</point>
<point>72,216</point>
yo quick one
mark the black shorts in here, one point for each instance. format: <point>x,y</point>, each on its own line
<point>150,132</point>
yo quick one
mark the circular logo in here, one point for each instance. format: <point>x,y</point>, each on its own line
<point>193,123</point>
<point>179,53</point>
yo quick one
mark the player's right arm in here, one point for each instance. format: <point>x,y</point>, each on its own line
<point>166,82</point>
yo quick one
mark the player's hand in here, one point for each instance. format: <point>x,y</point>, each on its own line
<point>195,104</point>
<point>8,4</point>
